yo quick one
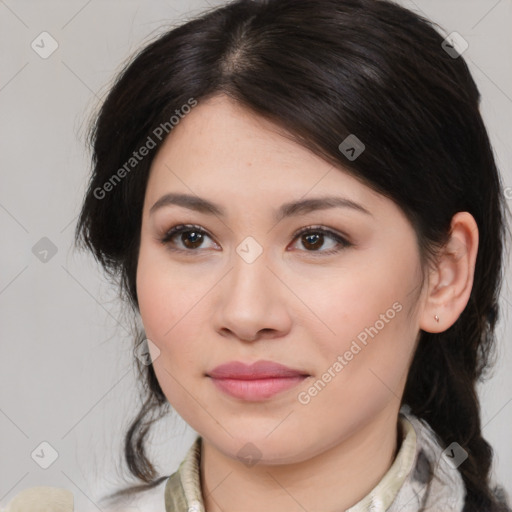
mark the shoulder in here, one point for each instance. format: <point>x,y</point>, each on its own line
<point>40,499</point>
<point>179,492</point>
<point>150,500</point>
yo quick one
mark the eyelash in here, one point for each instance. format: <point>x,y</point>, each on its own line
<point>184,228</point>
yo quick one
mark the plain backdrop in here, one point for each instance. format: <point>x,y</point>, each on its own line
<point>66,372</point>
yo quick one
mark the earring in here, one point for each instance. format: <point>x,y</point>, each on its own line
<point>437,318</point>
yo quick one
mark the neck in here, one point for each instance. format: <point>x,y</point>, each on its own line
<point>333,480</point>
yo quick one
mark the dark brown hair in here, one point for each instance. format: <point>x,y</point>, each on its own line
<point>322,70</point>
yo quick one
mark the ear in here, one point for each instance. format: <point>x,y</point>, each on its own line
<point>451,281</point>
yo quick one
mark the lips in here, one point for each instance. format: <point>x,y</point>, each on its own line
<point>256,382</point>
<point>257,370</point>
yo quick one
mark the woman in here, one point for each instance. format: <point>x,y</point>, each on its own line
<point>300,199</point>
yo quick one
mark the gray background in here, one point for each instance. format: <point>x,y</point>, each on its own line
<point>66,375</point>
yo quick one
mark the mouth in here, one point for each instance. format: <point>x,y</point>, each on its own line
<point>255,382</point>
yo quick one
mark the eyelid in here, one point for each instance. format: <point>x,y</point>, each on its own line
<point>178,228</point>
<point>322,229</point>
<point>342,240</point>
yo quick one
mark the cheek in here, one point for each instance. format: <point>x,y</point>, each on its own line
<point>151,296</point>
<point>369,312</point>
<point>163,307</point>
<point>363,366</point>
<point>164,298</point>
<point>171,311</point>
<point>360,301</point>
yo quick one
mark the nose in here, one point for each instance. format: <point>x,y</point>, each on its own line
<point>252,302</point>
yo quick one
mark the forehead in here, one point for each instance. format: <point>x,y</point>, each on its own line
<point>222,150</point>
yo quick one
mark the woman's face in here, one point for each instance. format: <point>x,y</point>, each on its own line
<point>241,285</point>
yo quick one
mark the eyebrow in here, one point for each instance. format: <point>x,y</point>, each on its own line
<point>290,209</point>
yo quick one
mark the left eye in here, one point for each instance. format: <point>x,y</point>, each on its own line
<point>193,236</point>
<point>315,236</point>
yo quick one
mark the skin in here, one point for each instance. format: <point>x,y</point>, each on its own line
<point>295,305</point>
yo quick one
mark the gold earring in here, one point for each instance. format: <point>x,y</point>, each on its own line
<point>437,318</point>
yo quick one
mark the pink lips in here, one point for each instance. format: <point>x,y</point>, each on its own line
<point>256,382</point>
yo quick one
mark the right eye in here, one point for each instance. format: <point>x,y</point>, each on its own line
<point>191,237</point>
